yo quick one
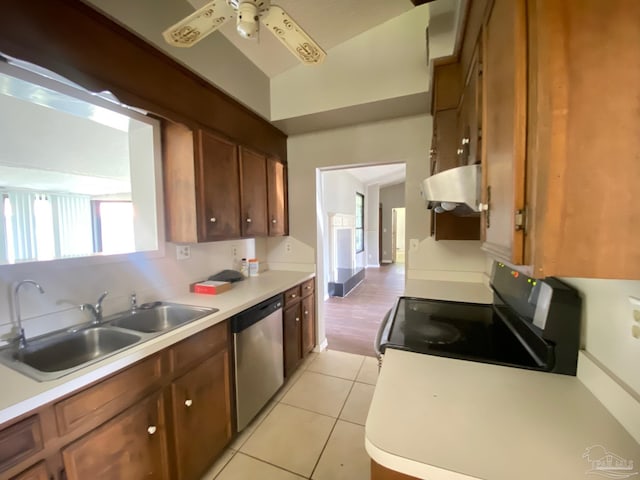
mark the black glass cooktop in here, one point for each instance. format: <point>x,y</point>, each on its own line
<point>470,331</point>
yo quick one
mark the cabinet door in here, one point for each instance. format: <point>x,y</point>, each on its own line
<point>291,333</point>
<point>308,306</point>
<point>201,415</point>
<point>37,472</point>
<point>132,445</point>
<point>504,125</point>
<point>468,121</point>
<point>254,193</point>
<point>277,193</point>
<point>218,187</point>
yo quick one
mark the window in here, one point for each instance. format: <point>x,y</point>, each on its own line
<point>359,222</point>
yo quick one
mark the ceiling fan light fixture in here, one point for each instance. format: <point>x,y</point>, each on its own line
<point>247,22</point>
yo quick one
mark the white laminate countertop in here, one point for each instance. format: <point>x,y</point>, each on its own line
<point>21,394</point>
<point>440,418</point>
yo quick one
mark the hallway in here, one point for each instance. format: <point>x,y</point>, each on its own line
<point>352,322</point>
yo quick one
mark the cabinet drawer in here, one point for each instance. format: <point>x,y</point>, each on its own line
<point>199,346</point>
<point>20,441</point>
<point>105,399</point>
<point>292,295</point>
<point>37,472</point>
<point>308,287</point>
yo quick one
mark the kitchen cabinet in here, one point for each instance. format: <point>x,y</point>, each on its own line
<point>378,472</point>
<point>167,416</point>
<point>277,197</point>
<point>253,168</point>
<point>37,472</point>
<point>298,319</point>
<point>504,123</point>
<point>217,190</point>
<point>469,114</point>
<point>555,204</point>
<point>201,415</point>
<point>132,445</point>
<point>201,185</point>
<point>446,146</point>
<point>20,441</point>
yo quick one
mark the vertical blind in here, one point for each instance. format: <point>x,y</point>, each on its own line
<point>41,226</point>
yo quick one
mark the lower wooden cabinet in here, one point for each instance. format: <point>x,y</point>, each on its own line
<point>20,441</point>
<point>298,325</point>
<point>378,472</point>
<point>201,411</point>
<point>132,445</point>
<point>37,472</point>
<point>291,332</point>
<point>308,307</point>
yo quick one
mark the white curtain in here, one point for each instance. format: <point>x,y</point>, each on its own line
<point>72,223</point>
<point>21,237</point>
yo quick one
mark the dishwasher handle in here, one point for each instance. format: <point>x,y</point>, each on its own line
<point>254,314</point>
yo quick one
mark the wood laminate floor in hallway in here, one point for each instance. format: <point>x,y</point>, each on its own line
<point>352,322</point>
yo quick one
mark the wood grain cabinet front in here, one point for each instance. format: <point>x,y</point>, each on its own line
<point>20,441</point>
<point>37,472</point>
<point>131,445</point>
<point>253,168</point>
<point>298,324</point>
<point>277,197</point>
<point>201,414</point>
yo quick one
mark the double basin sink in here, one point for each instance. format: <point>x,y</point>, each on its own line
<point>60,353</point>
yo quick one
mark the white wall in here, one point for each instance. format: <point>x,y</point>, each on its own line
<point>371,225</point>
<point>69,283</point>
<point>393,141</point>
<point>390,197</point>
<point>385,62</point>
<point>607,318</point>
<point>340,190</point>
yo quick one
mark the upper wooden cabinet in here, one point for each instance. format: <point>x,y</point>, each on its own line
<point>217,190</point>
<point>560,145</point>
<point>277,197</point>
<point>446,146</point>
<point>253,167</point>
<point>504,128</point>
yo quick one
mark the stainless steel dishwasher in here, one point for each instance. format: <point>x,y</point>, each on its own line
<point>258,361</point>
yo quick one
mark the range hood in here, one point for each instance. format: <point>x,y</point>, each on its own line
<point>456,190</point>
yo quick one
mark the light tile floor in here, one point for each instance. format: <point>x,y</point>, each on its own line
<point>312,429</point>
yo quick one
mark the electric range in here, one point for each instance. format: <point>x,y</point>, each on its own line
<point>533,324</point>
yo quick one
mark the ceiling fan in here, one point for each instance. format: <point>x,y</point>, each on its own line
<point>249,13</point>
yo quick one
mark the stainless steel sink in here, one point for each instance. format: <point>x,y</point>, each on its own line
<point>60,353</point>
<point>160,318</point>
<point>73,349</point>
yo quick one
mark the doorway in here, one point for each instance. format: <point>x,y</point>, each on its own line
<point>397,234</point>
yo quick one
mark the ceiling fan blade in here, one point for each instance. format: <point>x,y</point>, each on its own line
<point>204,21</point>
<point>293,37</point>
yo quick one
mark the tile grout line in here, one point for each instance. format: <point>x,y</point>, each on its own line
<point>274,465</point>
<point>324,447</point>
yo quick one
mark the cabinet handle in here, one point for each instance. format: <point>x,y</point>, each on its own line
<point>213,219</point>
<point>248,220</point>
<point>274,221</point>
<point>297,319</point>
<point>188,402</point>
<point>308,287</point>
<point>151,429</point>
<point>293,295</point>
<point>465,141</point>
<point>306,312</point>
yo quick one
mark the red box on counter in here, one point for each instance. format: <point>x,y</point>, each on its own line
<point>210,287</point>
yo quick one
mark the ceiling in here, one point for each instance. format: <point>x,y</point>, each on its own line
<point>382,175</point>
<point>328,22</point>
<point>368,50</point>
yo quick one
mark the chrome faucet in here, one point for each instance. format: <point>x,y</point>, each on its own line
<point>134,302</point>
<point>15,301</point>
<point>96,310</point>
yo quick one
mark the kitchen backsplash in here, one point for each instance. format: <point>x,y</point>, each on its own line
<point>69,283</point>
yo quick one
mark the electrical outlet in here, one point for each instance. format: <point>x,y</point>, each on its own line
<point>413,245</point>
<point>183,252</point>
<point>234,251</point>
<point>287,247</point>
